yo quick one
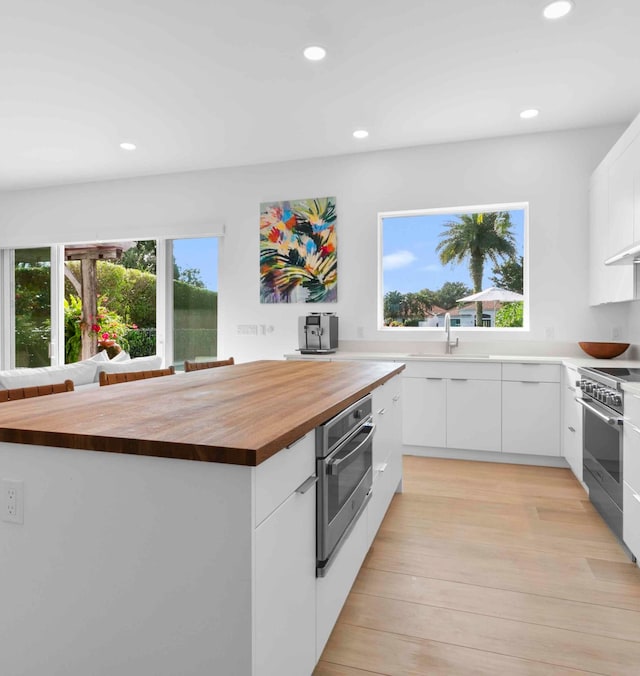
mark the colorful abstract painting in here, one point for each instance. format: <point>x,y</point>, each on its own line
<point>298,261</point>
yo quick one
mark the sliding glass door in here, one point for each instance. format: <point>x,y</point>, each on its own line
<point>195,299</point>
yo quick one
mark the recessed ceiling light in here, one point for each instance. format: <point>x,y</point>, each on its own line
<point>360,133</point>
<point>128,146</point>
<point>529,113</point>
<point>558,9</point>
<point>315,53</point>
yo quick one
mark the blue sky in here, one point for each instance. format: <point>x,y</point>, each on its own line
<point>201,253</point>
<point>410,260</point>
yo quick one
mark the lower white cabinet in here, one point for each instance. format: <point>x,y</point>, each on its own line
<point>285,587</point>
<point>531,418</point>
<point>631,518</point>
<point>631,474</point>
<point>571,422</point>
<point>473,414</point>
<point>386,480</point>
<point>424,412</point>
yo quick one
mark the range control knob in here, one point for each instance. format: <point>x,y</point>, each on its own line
<point>617,400</point>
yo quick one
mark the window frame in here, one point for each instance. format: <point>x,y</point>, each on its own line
<point>472,330</point>
<point>164,295</point>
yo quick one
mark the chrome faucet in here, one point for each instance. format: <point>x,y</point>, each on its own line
<point>447,328</point>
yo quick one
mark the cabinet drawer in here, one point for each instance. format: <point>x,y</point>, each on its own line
<point>385,482</point>
<point>531,372</point>
<point>631,455</point>
<point>632,408</point>
<point>280,475</point>
<point>631,518</point>
<point>451,369</point>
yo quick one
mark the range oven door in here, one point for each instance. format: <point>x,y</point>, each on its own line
<point>602,461</point>
<point>345,478</point>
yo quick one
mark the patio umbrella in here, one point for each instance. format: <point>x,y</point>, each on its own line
<point>492,293</point>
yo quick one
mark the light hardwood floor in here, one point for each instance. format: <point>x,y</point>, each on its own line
<point>483,568</point>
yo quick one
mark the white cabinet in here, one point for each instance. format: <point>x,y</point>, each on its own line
<point>631,474</point>
<point>452,405</point>
<point>285,562</point>
<point>387,415</point>
<point>285,589</point>
<point>424,412</point>
<point>473,414</point>
<point>614,219</point>
<point>531,418</point>
<point>387,452</point>
<point>571,430</point>
<point>531,409</point>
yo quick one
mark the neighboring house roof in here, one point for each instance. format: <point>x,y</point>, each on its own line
<point>487,306</point>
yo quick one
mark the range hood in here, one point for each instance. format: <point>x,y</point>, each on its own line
<point>628,256</point>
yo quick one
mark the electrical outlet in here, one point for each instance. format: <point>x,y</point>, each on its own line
<point>12,492</point>
<point>615,333</point>
<point>549,333</point>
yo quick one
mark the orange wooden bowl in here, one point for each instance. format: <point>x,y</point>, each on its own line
<point>604,350</point>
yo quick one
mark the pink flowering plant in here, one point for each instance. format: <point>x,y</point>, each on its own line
<point>108,326</point>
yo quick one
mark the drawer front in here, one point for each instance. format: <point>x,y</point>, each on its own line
<point>631,455</point>
<point>631,518</point>
<point>279,476</point>
<point>462,369</point>
<point>385,483</point>
<point>632,408</point>
<point>531,372</point>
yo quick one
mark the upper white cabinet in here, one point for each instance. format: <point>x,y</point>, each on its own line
<point>614,219</point>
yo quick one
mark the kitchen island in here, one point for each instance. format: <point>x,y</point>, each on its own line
<point>163,532</point>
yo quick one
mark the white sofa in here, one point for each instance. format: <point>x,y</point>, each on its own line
<point>83,373</point>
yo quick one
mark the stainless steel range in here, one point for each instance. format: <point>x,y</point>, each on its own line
<point>603,413</point>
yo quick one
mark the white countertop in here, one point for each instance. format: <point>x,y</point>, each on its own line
<point>577,361</point>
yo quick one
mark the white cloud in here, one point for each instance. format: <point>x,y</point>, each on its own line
<point>432,268</point>
<point>399,259</point>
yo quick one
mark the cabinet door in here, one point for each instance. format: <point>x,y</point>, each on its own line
<point>607,283</point>
<point>571,423</point>
<point>473,414</point>
<point>621,175</point>
<point>382,415</point>
<point>531,418</point>
<point>285,579</point>
<point>424,412</point>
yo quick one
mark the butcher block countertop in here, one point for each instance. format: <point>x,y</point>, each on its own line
<point>240,414</point>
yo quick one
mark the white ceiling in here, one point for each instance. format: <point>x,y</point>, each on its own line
<point>200,84</point>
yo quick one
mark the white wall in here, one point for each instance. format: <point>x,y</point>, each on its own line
<point>550,171</point>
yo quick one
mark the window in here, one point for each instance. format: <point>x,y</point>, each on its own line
<point>32,302</point>
<point>143,296</point>
<point>468,262</point>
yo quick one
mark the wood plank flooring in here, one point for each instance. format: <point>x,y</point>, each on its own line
<point>482,568</point>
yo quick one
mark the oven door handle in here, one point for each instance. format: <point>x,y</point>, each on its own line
<point>332,462</point>
<point>610,420</point>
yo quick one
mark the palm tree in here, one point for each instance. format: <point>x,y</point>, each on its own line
<point>477,237</point>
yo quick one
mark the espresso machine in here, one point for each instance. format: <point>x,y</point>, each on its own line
<point>318,333</point>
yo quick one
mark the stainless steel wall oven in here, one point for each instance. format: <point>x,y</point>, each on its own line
<point>345,475</point>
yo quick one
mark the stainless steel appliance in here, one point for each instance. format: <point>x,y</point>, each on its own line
<point>603,407</point>
<point>345,476</point>
<point>318,333</point>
